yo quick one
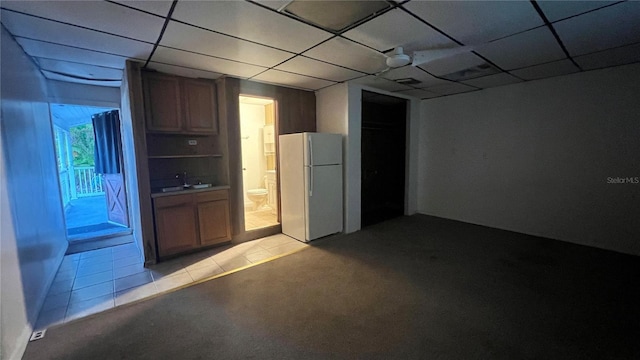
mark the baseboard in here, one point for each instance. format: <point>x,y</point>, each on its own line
<point>529,234</point>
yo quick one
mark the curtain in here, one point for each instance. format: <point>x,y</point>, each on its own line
<point>106,129</point>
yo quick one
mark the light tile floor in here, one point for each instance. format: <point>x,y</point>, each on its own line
<point>260,218</point>
<point>94,281</point>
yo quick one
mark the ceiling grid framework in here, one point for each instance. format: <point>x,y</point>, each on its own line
<point>514,41</point>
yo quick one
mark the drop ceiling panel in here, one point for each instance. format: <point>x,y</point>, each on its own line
<point>274,4</point>
<point>187,37</point>
<point>40,29</point>
<point>556,10</point>
<point>450,88</point>
<point>54,76</point>
<point>419,93</point>
<point>293,80</point>
<point>492,81</point>
<point>306,66</point>
<point>612,57</point>
<point>98,15</point>
<point>158,7</point>
<point>453,64</point>
<point>381,83</point>
<point>349,54</point>
<point>251,22</point>
<point>476,22</point>
<point>525,49</point>
<point>555,68</point>
<point>182,71</point>
<point>80,70</point>
<point>602,29</point>
<point>68,53</point>
<point>397,28</point>
<point>415,73</point>
<point>206,63</point>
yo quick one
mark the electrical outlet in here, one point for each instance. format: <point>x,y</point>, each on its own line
<point>193,142</point>
<point>37,335</point>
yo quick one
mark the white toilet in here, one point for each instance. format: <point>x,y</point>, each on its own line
<point>258,197</point>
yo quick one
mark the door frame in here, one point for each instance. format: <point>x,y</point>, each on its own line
<point>406,154</point>
<point>246,235</point>
<point>124,162</point>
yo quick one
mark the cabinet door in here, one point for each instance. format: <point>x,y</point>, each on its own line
<point>162,103</point>
<point>201,112</point>
<point>213,218</point>
<point>175,224</point>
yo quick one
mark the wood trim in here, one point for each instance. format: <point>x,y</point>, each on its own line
<point>230,110</point>
<point>134,81</point>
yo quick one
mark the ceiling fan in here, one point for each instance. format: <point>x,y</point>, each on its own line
<point>397,58</point>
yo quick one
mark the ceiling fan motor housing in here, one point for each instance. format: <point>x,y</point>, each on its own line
<point>398,58</point>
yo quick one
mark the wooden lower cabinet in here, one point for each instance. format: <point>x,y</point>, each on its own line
<point>189,221</point>
<point>213,219</point>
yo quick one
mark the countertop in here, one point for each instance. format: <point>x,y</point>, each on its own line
<point>188,191</point>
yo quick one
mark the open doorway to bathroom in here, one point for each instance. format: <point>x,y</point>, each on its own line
<point>90,175</point>
<point>259,173</point>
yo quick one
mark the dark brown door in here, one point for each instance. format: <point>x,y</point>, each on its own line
<point>116,199</point>
<point>383,157</point>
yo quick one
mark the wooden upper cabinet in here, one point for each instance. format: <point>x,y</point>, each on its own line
<point>180,105</point>
<point>201,113</point>
<point>163,104</point>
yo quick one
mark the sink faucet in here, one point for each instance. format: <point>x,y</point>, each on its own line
<point>184,178</point>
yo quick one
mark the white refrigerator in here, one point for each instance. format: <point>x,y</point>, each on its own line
<point>310,184</point>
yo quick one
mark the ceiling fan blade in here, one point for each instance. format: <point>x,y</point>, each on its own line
<point>380,73</point>
<point>427,56</point>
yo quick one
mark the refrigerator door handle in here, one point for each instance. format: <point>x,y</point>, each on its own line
<point>310,180</point>
<point>310,152</point>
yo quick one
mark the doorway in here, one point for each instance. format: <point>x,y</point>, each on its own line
<point>90,175</point>
<point>384,120</point>
<point>259,159</point>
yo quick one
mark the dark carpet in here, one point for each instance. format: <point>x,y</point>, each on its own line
<point>411,288</point>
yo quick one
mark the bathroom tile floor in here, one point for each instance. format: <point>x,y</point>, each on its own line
<point>260,218</point>
<point>94,281</point>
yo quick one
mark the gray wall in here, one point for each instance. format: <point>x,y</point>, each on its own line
<point>33,234</point>
<point>536,158</point>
